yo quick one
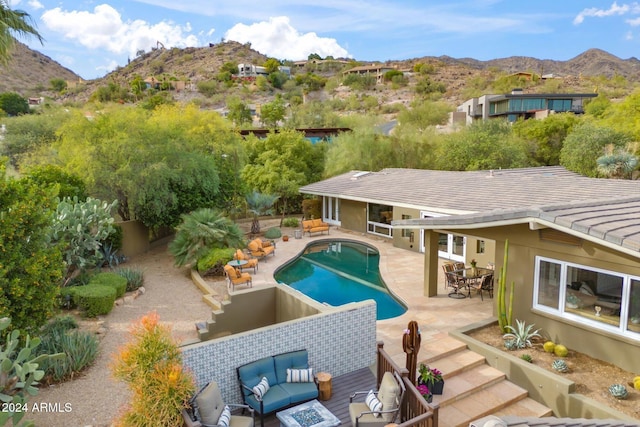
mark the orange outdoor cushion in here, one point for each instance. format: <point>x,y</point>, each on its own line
<point>254,246</point>
<point>316,223</point>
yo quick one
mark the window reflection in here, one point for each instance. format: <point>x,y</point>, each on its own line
<point>549,284</point>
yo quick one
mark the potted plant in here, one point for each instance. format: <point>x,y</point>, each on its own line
<point>425,392</point>
<point>432,378</point>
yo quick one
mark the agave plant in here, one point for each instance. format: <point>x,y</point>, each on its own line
<point>521,334</point>
<point>560,365</point>
<point>619,391</point>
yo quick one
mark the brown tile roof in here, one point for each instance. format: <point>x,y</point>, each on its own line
<point>603,210</point>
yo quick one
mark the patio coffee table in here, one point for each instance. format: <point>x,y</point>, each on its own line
<point>308,414</point>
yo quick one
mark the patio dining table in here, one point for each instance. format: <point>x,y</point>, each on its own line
<point>471,276</point>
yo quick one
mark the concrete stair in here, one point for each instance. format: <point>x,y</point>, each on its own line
<point>472,388</point>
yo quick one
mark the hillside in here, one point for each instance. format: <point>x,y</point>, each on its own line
<point>29,72</point>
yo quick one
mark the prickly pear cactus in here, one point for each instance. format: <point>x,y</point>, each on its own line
<point>511,344</point>
<point>560,365</point>
<point>618,391</point>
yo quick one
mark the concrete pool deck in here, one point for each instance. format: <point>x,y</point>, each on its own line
<point>402,271</point>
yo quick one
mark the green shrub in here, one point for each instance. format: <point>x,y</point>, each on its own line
<point>135,278</point>
<point>59,324</point>
<point>312,208</point>
<point>213,262</point>
<point>291,222</point>
<point>114,280</point>
<point>79,347</point>
<point>273,233</point>
<point>94,299</point>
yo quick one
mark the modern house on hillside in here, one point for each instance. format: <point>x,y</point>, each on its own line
<point>573,242</point>
<point>517,104</point>
<point>376,70</point>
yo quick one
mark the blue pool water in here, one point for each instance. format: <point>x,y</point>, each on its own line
<point>338,272</point>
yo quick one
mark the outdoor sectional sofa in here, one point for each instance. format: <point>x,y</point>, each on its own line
<point>314,226</point>
<point>282,391</point>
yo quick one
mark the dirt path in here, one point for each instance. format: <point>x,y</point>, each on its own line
<point>95,398</point>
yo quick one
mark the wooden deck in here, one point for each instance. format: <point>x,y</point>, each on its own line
<point>342,387</point>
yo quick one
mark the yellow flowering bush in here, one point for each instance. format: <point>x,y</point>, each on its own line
<point>151,365</point>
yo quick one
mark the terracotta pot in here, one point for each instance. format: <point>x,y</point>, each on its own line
<point>285,238</point>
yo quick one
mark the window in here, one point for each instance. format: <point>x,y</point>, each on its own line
<point>603,299</point>
<point>331,210</point>
<point>480,246</point>
<point>379,219</point>
<point>405,231</point>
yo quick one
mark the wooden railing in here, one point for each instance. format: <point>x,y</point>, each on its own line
<point>414,411</point>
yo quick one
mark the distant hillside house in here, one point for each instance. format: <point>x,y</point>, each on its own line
<point>378,70</point>
<point>517,104</point>
<point>250,71</point>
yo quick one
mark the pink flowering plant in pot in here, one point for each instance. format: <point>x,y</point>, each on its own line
<point>425,392</point>
<point>432,378</point>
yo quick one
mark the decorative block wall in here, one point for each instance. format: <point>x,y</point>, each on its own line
<point>338,342</point>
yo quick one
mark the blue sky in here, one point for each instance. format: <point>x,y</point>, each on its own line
<point>93,37</point>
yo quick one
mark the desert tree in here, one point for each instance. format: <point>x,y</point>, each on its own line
<point>13,22</point>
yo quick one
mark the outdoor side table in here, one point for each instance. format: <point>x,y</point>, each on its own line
<point>324,385</point>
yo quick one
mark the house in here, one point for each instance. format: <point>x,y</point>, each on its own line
<point>377,70</point>
<point>250,71</point>
<point>573,242</point>
<point>517,104</point>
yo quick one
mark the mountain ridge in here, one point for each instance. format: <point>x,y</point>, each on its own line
<point>30,72</point>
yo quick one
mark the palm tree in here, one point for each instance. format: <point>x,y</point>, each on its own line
<point>617,164</point>
<point>13,22</point>
<point>200,231</point>
<point>259,204</point>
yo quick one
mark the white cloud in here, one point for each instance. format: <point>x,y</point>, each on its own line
<point>602,13</point>
<point>104,29</point>
<point>35,4</point>
<point>277,38</point>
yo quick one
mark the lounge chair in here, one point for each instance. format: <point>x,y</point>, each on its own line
<point>260,249</point>
<point>389,394</point>
<point>207,410</point>
<point>251,262</point>
<point>236,277</point>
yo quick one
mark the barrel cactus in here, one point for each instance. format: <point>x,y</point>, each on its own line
<point>549,346</point>
<point>560,365</point>
<point>619,391</point>
<point>560,350</point>
<point>636,383</point>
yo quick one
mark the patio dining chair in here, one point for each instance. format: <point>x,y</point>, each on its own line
<point>484,284</point>
<point>251,262</point>
<point>456,283</point>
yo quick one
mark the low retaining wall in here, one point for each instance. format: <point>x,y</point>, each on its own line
<point>338,341</point>
<point>545,387</point>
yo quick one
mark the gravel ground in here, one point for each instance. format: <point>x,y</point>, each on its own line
<point>95,398</point>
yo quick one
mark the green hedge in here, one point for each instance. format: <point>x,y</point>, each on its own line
<point>213,262</point>
<point>94,299</point>
<point>114,280</point>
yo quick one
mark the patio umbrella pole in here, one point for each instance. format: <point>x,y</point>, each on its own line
<point>411,346</point>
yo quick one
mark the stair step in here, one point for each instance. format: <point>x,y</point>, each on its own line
<point>458,362</point>
<point>437,347</point>
<point>466,383</point>
<point>526,407</point>
<point>461,411</point>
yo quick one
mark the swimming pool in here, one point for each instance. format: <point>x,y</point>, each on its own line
<point>338,272</point>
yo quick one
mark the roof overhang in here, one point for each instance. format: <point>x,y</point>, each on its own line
<point>530,218</point>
